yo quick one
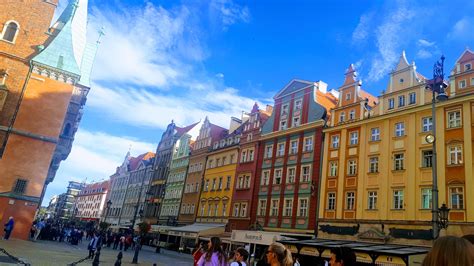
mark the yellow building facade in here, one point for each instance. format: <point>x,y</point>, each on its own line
<point>218,182</point>
<point>377,175</point>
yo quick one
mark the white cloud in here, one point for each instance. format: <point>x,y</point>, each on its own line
<point>424,54</point>
<point>361,32</point>
<point>229,13</point>
<point>463,29</point>
<point>426,49</point>
<point>388,41</point>
<point>95,156</point>
<point>220,75</point>
<point>425,43</point>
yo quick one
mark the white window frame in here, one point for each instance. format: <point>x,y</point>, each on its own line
<point>426,198</point>
<point>298,104</point>
<point>342,117</point>
<point>283,124</point>
<point>412,98</point>
<point>262,207</point>
<point>291,175</point>
<point>348,96</point>
<point>398,199</point>
<point>426,124</point>
<point>459,192</point>
<point>401,101</point>
<point>454,119</point>
<point>352,167</point>
<point>331,201</point>
<point>351,114</point>
<point>305,173</point>
<point>275,207</point>
<point>391,103</point>
<point>277,176</point>
<point>354,137</point>
<point>280,149</point>
<point>375,134</point>
<point>268,151</point>
<point>265,178</point>
<point>400,129</point>
<point>333,167</point>
<point>424,159</point>
<point>462,84</point>
<point>236,210</point>
<point>374,164</point>
<point>399,161</point>
<point>372,200</point>
<point>294,146</point>
<point>303,207</point>
<point>296,121</point>
<point>455,154</point>
<point>243,209</point>
<point>5,26</point>
<point>308,144</point>
<point>350,200</point>
<point>335,139</point>
<point>288,208</point>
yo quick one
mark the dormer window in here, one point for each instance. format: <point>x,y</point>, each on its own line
<point>467,67</point>
<point>401,80</point>
<point>10,31</point>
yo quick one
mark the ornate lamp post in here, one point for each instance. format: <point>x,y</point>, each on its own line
<point>108,205</point>
<point>437,86</point>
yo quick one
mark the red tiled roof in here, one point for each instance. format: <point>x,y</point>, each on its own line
<point>365,95</point>
<point>217,132</point>
<point>327,100</point>
<point>135,161</point>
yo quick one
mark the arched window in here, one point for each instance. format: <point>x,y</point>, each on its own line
<point>10,31</point>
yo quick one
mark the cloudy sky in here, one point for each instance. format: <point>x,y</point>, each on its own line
<point>184,60</point>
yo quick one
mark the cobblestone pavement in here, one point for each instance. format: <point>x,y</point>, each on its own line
<point>50,253</point>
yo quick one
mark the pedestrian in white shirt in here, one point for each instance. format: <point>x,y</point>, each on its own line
<point>240,257</point>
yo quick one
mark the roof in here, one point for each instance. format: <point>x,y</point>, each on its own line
<point>217,132</point>
<point>467,55</point>
<point>327,100</point>
<point>135,161</point>
<point>197,227</point>
<point>92,188</point>
<point>365,95</point>
<point>183,130</point>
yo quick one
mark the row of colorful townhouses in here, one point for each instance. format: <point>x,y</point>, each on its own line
<point>341,164</point>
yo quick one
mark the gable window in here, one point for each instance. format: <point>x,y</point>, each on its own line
<point>427,124</point>
<point>288,207</point>
<point>456,196</point>
<point>375,134</point>
<point>399,161</point>
<point>335,141</point>
<point>401,100</point>
<point>291,175</point>
<point>399,129</point>
<point>294,147</point>
<point>342,117</point>
<point>348,96</point>
<point>350,200</point>
<point>331,201</point>
<point>455,154</point>
<point>426,198</point>
<point>454,119</point>
<point>467,67</point>
<point>374,165</point>
<point>372,204</point>
<point>281,149</point>
<point>20,186</point>
<point>412,97</point>
<point>352,115</point>
<point>308,144</point>
<point>351,167</point>
<point>398,199</point>
<point>333,168</point>
<point>427,157</point>
<point>305,173</point>
<point>277,177</point>
<point>391,103</point>
<point>354,138</point>
<point>10,32</point>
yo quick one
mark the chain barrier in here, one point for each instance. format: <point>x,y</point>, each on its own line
<point>79,261</point>
<point>17,260</point>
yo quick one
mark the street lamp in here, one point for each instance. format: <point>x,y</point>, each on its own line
<point>108,204</point>
<point>437,86</point>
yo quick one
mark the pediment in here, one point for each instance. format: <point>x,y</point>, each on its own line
<point>293,86</point>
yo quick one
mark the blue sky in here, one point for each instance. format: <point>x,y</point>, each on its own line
<point>163,60</point>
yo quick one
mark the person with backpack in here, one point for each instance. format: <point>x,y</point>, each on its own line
<point>240,257</point>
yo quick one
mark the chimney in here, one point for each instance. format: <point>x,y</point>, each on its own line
<point>322,86</point>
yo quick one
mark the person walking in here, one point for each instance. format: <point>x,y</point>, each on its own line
<point>92,245</point>
<point>278,255</point>
<point>215,255</point>
<point>240,257</point>
<point>8,228</point>
<point>39,227</point>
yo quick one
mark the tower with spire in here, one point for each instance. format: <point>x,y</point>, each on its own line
<point>43,89</point>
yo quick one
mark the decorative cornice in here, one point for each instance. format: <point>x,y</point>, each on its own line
<point>20,197</point>
<point>292,130</point>
<point>54,73</point>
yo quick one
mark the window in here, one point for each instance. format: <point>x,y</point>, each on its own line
<point>247,181</point>
<point>427,157</point>
<point>220,183</point>
<point>352,167</point>
<point>275,207</point>
<point>277,177</point>
<point>227,186</point>
<point>457,198</point>
<point>374,165</point>
<point>284,109</point>
<point>281,149</point>
<point>467,67</point>
<point>250,155</point>
<point>213,184</point>
<point>20,186</point>
<point>308,144</point>
<point>288,207</point>
<point>224,209</point>
<point>265,178</point>
<point>209,210</point>
<point>426,198</point>
<point>291,175</point>
<point>298,104</point>
<point>303,208</point>
<point>216,208</point>
<point>427,124</point>
<point>243,156</point>
<point>296,121</point>
<point>462,84</point>
<point>206,187</point>
<point>342,117</point>
<point>192,208</point>
<point>268,151</point>
<point>335,141</point>
<point>375,134</point>
<point>412,97</point>
<point>401,100</point>
<point>333,168</point>
<point>354,138</point>
<point>350,200</point>
<point>398,199</point>
<point>455,155</point>
<point>331,201</point>
<point>10,32</point>
<point>236,209</point>
<point>262,207</point>
<point>472,81</point>
<point>398,161</point>
<point>305,173</point>
<point>352,115</point>
<point>372,204</point>
<point>348,96</point>
<point>399,129</point>
<point>294,147</point>
<point>283,124</point>
<point>391,103</point>
<point>243,210</point>
<point>454,119</point>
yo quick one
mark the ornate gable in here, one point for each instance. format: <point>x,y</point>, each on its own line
<point>404,75</point>
<point>293,86</point>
